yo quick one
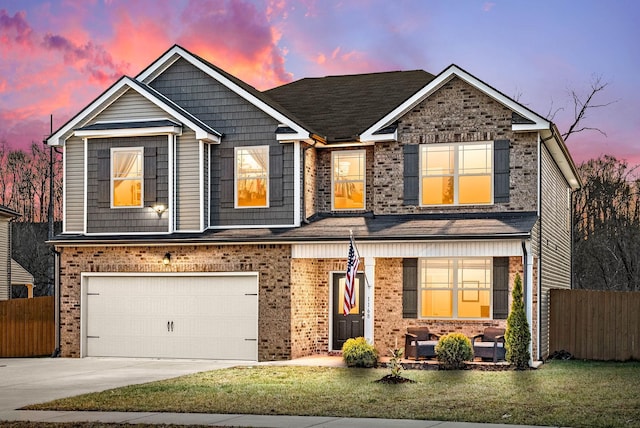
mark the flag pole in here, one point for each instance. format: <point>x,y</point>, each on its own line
<point>364,272</point>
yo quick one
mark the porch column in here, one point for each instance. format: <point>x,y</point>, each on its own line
<point>528,294</point>
<point>369,274</point>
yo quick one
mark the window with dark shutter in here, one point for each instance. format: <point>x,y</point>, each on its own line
<point>276,173</point>
<point>150,176</point>
<point>104,178</point>
<point>500,287</point>
<point>501,171</point>
<point>411,174</point>
<point>226,177</point>
<point>410,288</point>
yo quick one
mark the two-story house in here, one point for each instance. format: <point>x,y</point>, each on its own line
<point>206,219</point>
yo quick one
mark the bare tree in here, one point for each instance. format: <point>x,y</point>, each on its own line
<point>582,105</point>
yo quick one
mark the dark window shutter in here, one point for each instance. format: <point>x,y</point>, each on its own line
<point>104,178</point>
<point>150,175</point>
<point>411,174</point>
<point>501,171</point>
<point>410,288</point>
<point>227,177</point>
<point>500,288</point>
<point>276,173</point>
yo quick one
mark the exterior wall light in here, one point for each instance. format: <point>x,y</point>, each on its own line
<point>166,259</point>
<point>159,209</point>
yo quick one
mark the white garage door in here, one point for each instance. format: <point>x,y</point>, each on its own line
<point>213,317</point>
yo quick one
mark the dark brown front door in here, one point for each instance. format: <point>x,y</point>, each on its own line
<point>352,325</point>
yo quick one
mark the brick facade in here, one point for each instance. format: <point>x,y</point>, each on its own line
<point>271,261</point>
<point>390,326</point>
<point>457,112</point>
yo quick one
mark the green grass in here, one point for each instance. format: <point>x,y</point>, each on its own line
<point>560,393</point>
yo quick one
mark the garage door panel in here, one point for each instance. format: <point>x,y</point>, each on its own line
<point>172,316</point>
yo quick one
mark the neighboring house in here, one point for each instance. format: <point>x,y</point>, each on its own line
<point>11,273</point>
<point>206,219</point>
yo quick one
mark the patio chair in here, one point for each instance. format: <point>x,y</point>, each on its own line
<point>490,344</point>
<point>420,343</point>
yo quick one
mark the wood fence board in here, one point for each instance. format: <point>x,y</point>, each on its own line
<point>27,327</point>
<point>595,325</point>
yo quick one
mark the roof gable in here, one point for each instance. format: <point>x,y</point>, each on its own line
<point>340,108</point>
<point>527,119</point>
<point>246,91</point>
<point>117,90</point>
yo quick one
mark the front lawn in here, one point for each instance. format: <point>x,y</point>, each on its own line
<point>560,393</point>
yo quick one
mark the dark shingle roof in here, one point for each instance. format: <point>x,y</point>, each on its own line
<point>340,108</point>
<point>422,227</point>
<point>101,126</point>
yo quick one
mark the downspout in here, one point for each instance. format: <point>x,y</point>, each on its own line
<point>56,292</point>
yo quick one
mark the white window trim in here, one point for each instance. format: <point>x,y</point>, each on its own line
<point>456,174</point>
<point>111,178</point>
<point>235,177</point>
<point>455,289</point>
<point>364,180</point>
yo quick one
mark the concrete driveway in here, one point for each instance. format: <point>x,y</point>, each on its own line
<point>25,381</point>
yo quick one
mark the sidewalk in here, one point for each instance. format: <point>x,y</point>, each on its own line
<point>223,420</point>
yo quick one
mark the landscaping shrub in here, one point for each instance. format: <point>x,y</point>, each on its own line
<point>359,353</point>
<point>517,335</point>
<point>453,350</point>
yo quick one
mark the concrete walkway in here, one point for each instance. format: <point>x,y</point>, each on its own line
<point>25,381</point>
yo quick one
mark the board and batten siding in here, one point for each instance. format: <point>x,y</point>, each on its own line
<point>130,106</point>
<point>187,176</point>
<point>5,259</point>
<point>74,185</point>
<point>555,242</point>
<point>242,124</point>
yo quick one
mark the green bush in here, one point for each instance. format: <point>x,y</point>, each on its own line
<point>359,353</point>
<point>517,337</point>
<point>453,350</point>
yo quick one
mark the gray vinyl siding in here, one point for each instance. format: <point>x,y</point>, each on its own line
<point>4,259</point>
<point>74,185</point>
<point>555,245</point>
<point>242,124</point>
<point>205,179</point>
<point>130,106</point>
<point>188,198</point>
<point>101,218</point>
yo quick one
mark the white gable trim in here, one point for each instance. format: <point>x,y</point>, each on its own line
<point>452,71</point>
<point>173,54</point>
<point>109,97</point>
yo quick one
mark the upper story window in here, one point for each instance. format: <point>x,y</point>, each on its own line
<point>252,177</point>
<point>127,177</point>
<point>455,288</point>
<point>456,174</point>
<point>348,179</point>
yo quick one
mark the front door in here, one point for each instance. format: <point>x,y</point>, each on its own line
<point>352,325</point>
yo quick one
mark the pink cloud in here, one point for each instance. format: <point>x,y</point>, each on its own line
<point>15,29</point>
<point>90,58</point>
<point>212,30</point>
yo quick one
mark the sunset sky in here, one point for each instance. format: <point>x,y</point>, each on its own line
<point>57,56</point>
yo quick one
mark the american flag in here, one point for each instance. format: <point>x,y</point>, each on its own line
<point>353,261</point>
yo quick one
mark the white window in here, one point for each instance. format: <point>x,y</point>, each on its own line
<point>127,177</point>
<point>252,177</point>
<point>455,288</point>
<point>348,180</point>
<point>456,174</point>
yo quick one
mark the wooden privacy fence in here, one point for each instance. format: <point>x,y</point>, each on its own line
<point>595,325</point>
<point>27,327</point>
